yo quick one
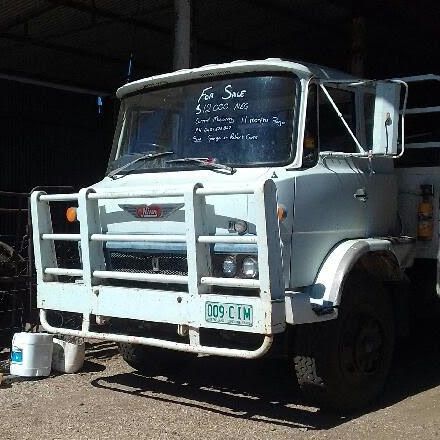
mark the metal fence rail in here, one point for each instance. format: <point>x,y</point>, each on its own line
<point>14,276</point>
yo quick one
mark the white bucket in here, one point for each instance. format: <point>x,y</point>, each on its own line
<point>31,354</point>
<point>68,355</point>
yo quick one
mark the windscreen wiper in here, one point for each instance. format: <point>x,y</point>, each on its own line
<point>147,156</point>
<point>204,162</point>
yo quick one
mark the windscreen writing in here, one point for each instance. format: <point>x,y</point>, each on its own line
<point>243,120</point>
<point>246,113</point>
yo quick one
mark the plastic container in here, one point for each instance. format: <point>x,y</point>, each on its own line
<point>68,354</point>
<point>31,354</point>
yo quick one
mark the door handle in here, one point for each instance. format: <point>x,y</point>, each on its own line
<point>361,195</point>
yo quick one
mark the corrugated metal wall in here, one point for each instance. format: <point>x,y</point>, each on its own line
<point>50,137</point>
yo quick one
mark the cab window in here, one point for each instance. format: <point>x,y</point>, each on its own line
<point>324,129</point>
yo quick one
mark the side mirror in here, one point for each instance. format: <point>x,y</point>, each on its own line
<point>386,118</point>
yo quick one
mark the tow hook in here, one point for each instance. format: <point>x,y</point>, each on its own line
<point>325,309</point>
<point>102,320</point>
<point>182,330</point>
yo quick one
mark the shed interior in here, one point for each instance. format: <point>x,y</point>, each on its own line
<point>60,57</point>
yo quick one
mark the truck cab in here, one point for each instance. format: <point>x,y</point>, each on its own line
<point>244,203</point>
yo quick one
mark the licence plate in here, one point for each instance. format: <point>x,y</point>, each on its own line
<point>229,313</point>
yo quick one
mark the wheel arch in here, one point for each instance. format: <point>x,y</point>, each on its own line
<point>375,257</point>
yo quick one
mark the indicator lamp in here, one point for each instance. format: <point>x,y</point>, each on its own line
<point>71,214</point>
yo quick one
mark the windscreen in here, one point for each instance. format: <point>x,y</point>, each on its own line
<point>241,121</point>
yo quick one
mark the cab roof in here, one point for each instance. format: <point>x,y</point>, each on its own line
<point>303,70</point>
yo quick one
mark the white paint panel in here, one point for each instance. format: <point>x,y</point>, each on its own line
<point>152,305</point>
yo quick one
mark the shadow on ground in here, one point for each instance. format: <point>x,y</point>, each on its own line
<point>101,350</point>
<point>265,391</point>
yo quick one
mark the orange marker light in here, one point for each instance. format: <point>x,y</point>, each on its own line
<point>71,215</point>
<point>281,213</point>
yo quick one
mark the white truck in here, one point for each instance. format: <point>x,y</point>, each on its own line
<point>251,208</point>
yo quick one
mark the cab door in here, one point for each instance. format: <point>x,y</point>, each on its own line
<point>331,195</point>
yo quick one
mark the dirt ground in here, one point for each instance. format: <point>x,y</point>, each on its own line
<point>215,398</point>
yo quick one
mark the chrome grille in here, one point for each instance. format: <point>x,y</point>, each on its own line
<point>166,264</point>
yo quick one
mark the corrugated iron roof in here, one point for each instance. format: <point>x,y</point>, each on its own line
<point>90,41</point>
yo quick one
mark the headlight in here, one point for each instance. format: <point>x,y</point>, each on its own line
<point>240,226</point>
<point>250,267</point>
<point>229,266</point>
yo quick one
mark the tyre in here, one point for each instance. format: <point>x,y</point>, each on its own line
<point>343,364</point>
<point>152,360</point>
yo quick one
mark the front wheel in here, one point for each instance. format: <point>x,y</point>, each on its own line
<point>152,360</point>
<point>343,364</point>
